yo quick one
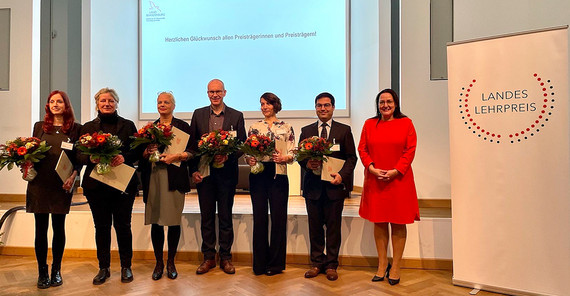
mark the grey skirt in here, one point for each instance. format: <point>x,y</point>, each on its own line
<point>163,207</point>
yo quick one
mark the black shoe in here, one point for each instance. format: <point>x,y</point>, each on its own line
<point>56,279</point>
<point>43,277</point>
<point>126,275</point>
<point>158,270</point>
<point>101,276</point>
<point>393,282</point>
<point>171,272</point>
<point>272,272</point>
<point>386,273</point>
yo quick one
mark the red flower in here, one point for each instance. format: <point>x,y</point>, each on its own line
<point>254,143</point>
<point>101,139</point>
<point>308,146</point>
<point>22,150</point>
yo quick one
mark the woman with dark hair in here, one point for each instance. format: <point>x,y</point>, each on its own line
<point>387,147</point>
<point>164,185</point>
<point>271,186</point>
<point>110,206</point>
<point>47,193</point>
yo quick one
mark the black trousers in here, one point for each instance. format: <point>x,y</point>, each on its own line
<point>268,188</point>
<point>112,208</point>
<point>216,190</point>
<point>325,212</point>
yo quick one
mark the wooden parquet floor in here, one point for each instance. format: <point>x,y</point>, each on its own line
<point>18,276</point>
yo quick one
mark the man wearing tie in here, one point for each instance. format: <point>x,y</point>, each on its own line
<point>220,186</point>
<point>324,199</point>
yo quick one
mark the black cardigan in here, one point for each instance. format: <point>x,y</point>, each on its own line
<point>178,178</point>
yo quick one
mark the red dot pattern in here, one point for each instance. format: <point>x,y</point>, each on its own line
<point>482,130</point>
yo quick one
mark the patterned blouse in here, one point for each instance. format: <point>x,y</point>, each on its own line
<point>278,131</point>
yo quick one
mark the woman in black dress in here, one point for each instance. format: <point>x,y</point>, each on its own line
<point>47,193</point>
<point>164,185</point>
<point>110,206</point>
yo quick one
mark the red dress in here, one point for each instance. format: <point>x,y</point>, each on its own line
<point>389,145</point>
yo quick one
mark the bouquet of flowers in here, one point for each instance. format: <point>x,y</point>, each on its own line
<point>313,148</point>
<point>23,152</point>
<point>152,133</point>
<point>218,142</point>
<point>258,146</point>
<point>100,147</point>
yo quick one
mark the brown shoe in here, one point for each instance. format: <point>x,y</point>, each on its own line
<point>227,266</point>
<point>313,272</point>
<point>332,275</point>
<point>206,266</point>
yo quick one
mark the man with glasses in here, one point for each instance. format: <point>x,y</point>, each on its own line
<point>325,199</point>
<point>220,186</point>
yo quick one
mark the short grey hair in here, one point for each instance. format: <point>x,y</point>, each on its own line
<point>168,93</point>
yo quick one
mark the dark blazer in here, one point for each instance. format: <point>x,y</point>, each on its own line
<point>125,129</point>
<point>233,120</point>
<point>177,176</point>
<point>312,184</point>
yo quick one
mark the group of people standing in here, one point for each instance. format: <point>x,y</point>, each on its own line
<point>387,146</point>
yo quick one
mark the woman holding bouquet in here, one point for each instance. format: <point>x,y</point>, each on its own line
<point>387,147</point>
<point>47,193</point>
<point>271,186</point>
<point>109,205</point>
<point>164,185</point>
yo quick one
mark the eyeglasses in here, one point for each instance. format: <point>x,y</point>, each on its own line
<point>326,105</point>
<point>215,92</point>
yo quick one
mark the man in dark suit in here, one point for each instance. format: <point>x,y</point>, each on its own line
<point>324,199</point>
<point>220,186</point>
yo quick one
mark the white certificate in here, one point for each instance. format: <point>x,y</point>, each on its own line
<point>178,143</point>
<point>204,166</point>
<point>118,178</point>
<point>64,167</point>
<point>331,166</point>
<point>281,146</point>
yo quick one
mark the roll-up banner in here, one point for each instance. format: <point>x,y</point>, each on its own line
<point>510,162</point>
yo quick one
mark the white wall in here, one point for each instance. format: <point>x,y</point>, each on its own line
<point>476,19</point>
<point>20,103</point>
<point>425,102</point>
<point>427,239</point>
<point>110,58</point>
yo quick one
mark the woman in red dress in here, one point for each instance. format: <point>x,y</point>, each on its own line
<point>387,147</point>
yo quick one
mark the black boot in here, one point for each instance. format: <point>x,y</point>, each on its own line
<point>56,279</point>
<point>43,278</point>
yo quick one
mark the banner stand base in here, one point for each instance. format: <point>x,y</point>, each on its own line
<point>478,287</point>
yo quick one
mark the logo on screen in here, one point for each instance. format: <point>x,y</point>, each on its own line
<point>154,13</point>
<point>507,113</point>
